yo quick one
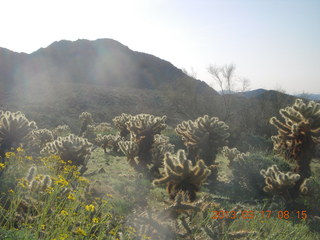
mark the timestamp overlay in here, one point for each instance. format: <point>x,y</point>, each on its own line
<point>250,214</point>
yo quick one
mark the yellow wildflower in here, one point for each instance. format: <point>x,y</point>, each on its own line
<point>11,191</point>
<point>90,208</point>
<point>2,165</point>
<point>20,150</point>
<point>49,190</point>
<point>64,213</point>
<point>76,173</point>
<point>80,231</point>
<point>71,196</point>
<point>39,177</point>
<point>61,181</point>
<point>131,229</point>
<point>82,179</point>
<point>95,220</point>
<point>62,162</point>
<point>10,154</point>
<point>63,236</point>
<point>43,227</point>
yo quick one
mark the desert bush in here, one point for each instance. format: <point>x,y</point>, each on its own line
<point>16,165</point>
<point>258,143</point>
<point>38,203</point>
<point>175,139</point>
<point>247,182</point>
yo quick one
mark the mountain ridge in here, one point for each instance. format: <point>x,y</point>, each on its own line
<point>39,78</point>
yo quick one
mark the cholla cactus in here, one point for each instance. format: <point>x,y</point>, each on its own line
<point>144,129</point>
<point>146,124</point>
<point>305,187</point>
<point>86,119</point>
<point>202,138</point>
<point>90,134</point>
<point>102,128</point>
<point>108,141</point>
<point>234,156</point>
<point>61,131</point>
<point>120,123</point>
<point>72,148</point>
<point>15,129</point>
<point>130,149</point>
<point>31,174</point>
<point>43,136</point>
<point>46,182</point>
<point>160,146</point>
<point>279,183</point>
<point>297,136</point>
<point>37,184</point>
<point>181,175</point>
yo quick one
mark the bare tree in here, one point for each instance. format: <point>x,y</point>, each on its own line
<point>244,85</point>
<point>224,77</point>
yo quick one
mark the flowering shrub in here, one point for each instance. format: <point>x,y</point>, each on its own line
<point>44,196</point>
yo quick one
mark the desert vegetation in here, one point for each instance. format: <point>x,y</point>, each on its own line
<point>140,178</point>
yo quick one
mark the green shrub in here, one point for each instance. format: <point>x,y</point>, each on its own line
<point>247,183</point>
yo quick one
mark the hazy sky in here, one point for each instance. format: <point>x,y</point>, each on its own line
<point>273,43</point>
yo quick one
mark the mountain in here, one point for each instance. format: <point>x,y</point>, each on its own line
<point>310,96</point>
<point>101,76</point>
<point>253,93</point>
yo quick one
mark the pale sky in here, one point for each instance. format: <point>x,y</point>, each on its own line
<point>273,43</point>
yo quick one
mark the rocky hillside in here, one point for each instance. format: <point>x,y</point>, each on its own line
<point>67,78</point>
